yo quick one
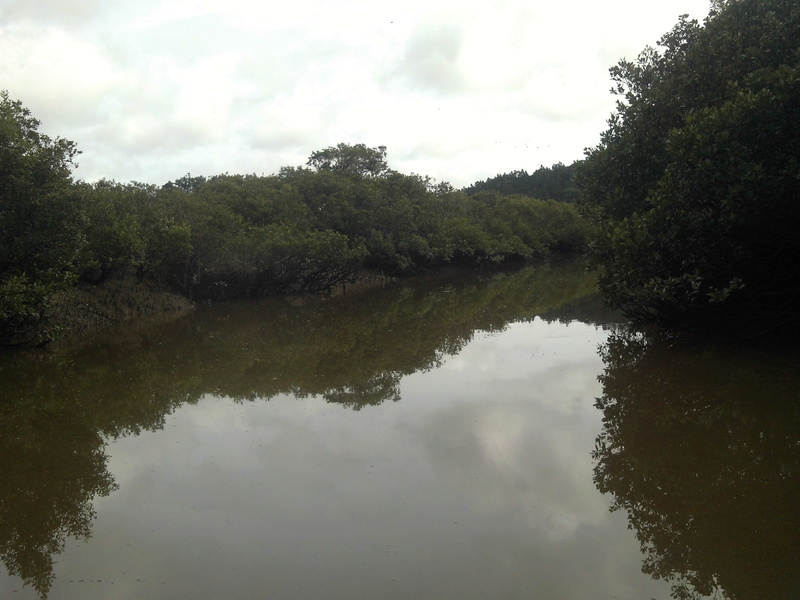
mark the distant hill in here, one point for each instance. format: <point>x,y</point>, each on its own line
<point>545,183</point>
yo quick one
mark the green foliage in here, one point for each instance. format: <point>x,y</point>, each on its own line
<point>130,231</point>
<point>498,228</point>
<point>406,222</point>
<point>40,222</point>
<point>113,229</point>
<point>187,183</point>
<point>307,230</point>
<point>23,306</point>
<point>255,236</point>
<point>693,187</point>
<point>547,183</point>
<point>292,262</point>
<point>357,159</point>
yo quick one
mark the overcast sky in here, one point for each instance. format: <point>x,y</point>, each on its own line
<point>153,89</point>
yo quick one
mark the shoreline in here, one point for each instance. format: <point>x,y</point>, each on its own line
<point>88,312</point>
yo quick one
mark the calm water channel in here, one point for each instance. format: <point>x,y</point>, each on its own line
<point>446,438</point>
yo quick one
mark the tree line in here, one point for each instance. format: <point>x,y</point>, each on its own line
<point>690,201</point>
<point>302,230</point>
<point>552,183</point>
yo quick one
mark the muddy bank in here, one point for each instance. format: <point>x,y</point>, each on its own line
<point>87,312</point>
<point>123,310</point>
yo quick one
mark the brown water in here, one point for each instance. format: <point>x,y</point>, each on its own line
<point>442,438</point>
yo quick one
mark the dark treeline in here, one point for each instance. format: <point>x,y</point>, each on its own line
<point>303,230</point>
<point>550,183</point>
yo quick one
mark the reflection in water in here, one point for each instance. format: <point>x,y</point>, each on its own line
<point>58,410</point>
<point>51,467</point>
<point>701,447</point>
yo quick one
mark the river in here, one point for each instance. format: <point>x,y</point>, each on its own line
<point>450,437</point>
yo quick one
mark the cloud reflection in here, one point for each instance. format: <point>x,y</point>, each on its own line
<point>524,447</point>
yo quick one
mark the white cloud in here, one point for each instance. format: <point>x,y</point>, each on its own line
<point>430,61</point>
<point>149,89</point>
<point>59,75</point>
<point>206,93</point>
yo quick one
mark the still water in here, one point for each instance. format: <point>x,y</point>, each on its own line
<point>444,438</point>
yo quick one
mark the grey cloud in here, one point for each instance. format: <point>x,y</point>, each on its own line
<point>521,461</point>
<point>547,113</point>
<point>281,139</point>
<point>573,111</point>
<point>430,61</point>
<point>427,150</point>
<point>51,11</point>
<point>527,467</point>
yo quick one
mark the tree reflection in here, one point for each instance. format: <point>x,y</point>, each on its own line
<point>701,447</point>
<point>59,410</point>
<point>355,350</point>
<point>52,465</point>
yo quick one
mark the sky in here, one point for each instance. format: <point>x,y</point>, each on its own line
<point>151,90</point>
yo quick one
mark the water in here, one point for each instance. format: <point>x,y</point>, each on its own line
<point>430,439</point>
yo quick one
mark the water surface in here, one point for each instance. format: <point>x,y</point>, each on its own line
<point>443,438</point>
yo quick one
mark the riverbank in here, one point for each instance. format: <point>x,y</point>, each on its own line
<point>121,307</point>
<point>86,312</point>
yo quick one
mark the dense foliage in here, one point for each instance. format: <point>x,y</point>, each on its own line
<point>40,220</point>
<point>694,186</point>
<point>305,229</point>
<point>550,183</point>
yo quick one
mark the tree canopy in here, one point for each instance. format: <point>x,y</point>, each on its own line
<point>693,188</point>
<point>40,221</point>
<point>356,159</point>
<point>546,183</point>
